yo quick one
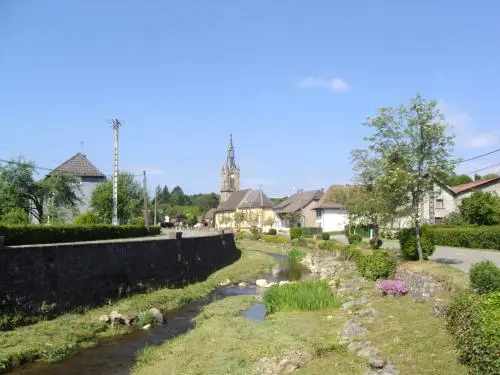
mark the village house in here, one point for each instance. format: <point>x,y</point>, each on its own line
<point>331,216</point>
<point>297,210</point>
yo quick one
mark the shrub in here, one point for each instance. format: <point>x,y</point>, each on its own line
<point>376,243</point>
<point>301,241</point>
<point>473,237</point>
<point>272,232</point>
<point>274,239</point>
<point>295,233</point>
<point>15,216</point>
<point>375,265</point>
<point>39,234</point>
<point>311,231</point>
<point>300,296</point>
<point>146,318</point>
<point>390,234</point>
<point>296,255</point>
<point>325,236</point>
<point>240,235</point>
<point>393,288</point>
<point>485,277</point>
<point>87,218</point>
<point>331,245</point>
<point>475,323</point>
<point>408,243</point>
<point>354,238</point>
<point>138,220</point>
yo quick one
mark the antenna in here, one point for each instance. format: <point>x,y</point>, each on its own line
<point>81,146</point>
<point>115,123</point>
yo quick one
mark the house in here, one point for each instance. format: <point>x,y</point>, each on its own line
<point>331,215</point>
<point>255,207</point>
<point>208,218</point>
<point>297,210</point>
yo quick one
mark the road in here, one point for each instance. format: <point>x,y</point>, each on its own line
<point>458,257</point>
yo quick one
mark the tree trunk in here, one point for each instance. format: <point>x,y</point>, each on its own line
<point>418,240</point>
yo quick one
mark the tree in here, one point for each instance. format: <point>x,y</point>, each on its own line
<point>239,218</point>
<point>164,196</point>
<point>490,176</point>
<point>177,197</point>
<point>87,218</point>
<point>459,180</point>
<point>20,190</point>
<point>130,199</point>
<point>408,148</point>
<point>482,208</point>
<point>15,216</point>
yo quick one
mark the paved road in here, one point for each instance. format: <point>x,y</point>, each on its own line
<point>458,257</point>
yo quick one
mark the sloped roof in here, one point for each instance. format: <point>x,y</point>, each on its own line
<point>79,166</point>
<point>298,201</point>
<point>246,198</point>
<point>473,185</point>
<point>209,214</point>
<point>328,200</point>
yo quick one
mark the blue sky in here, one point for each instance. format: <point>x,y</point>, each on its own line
<point>292,80</point>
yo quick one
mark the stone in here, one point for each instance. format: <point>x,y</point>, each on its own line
<point>157,315</point>
<point>105,318</point>
<point>376,362</point>
<point>389,369</point>
<point>353,330</point>
<point>242,284</point>
<point>225,282</point>
<point>130,320</point>
<point>368,352</point>
<point>284,282</point>
<point>116,318</point>
<point>261,282</point>
<point>147,326</point>
<point>348,305</point>
<point>371,372</point>
<point>439,308</point>
<point>368,312</point>
<point>356,345</point>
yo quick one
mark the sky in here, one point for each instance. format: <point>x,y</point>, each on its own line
<point>293,81</point>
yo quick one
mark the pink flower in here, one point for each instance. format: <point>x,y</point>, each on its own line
<point>393,287</point>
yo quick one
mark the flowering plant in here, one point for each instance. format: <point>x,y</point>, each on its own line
<point>393,287</point>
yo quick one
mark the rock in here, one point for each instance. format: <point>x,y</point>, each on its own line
<point>355,346</point>
<point>368,352</point>
<point>348,305</point>
<point>353,330</point>
<point>157,315</point>
<point>225,282</point>
<point>105,318</point>
<point>376,362</point>
<point>261,282</point>
<point>439,308</point>
<point>368,312</point>
<point>389,369</point>
<point>116,318</point>
<point>284,282</point>
<point>371,372</point>
<point>242,284</point>
<point>130,320</point>
<point>147,326</point>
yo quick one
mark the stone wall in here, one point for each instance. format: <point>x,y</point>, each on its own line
<point>55,278</point>
<point>419,286</point>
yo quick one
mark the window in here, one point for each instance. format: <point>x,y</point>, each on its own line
<point>439,203</point>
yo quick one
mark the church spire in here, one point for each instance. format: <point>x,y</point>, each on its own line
<point>230,163</point>
<point>230,173</point>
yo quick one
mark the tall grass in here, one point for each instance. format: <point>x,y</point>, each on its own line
<point>296,255</point>
<point>300,296</point>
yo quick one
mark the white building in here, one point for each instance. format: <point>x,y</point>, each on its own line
<point>330,215</point>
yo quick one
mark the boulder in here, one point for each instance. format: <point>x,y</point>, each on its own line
<point>357,345</point>
<point>261,282</point>
<point>105,319</point>
<point>225,282</point>
<point>117,318</point>
<point>376,362</point>
<point>352,331</point>
<point>157,315</point>
<point>242,284</point>
<point>147,326</point>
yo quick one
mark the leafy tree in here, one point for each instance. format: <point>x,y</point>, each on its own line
<point>177,197</point>
<point>18,189</point>
<point>454,218</point>
<point>164,196</point>
<point>408,148</point>
<point>459,180</point>
<point>205,201</point>
<point>489,176</point>
<point>87,218</point>
<point>239,218</point>
<point>130,199</point>
<point>482,208</point>
<point>15,216</point>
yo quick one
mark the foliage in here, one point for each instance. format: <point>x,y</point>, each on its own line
<point>458,180</point>
<point>454,218</point>
<point>389,233</point>
<point>301,241</point>
<point>18,189</point>
<point>311,231</point>
<point>376,243</point>
<point>130,199</point>
<point>39,234</point>
<point>354,239</point>
<point>296,255</point>
<point>331,245</point>
<point>138,220</point>
<point>15,216</point>
<point>325,236</point>
<point>87,218</point>
<point>475,323</point>
<point>272,232</point>
<point>484,237</point>
<point>408,243</point>
<point>295,233</point>
<point>240,235</point>
<point>482,208</point>
<point>239,218</point>
<point>375,265</point>
<point>485,277</point>
<point>255,233</point>
<point>407,149</point>
<point>146,318</point>
<point>393,288</point>
<point>300,296</point>
<point>274,239</point>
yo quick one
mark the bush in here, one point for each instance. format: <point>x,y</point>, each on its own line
<point>390,234</point>
<point>473,237</point>
<point>325,236</point>
<point>295,233</point>
<point>485,277</point>
<point>296,255</point>
<point>300,296</point>
<point>375,265</point>
<point>40,234</point>
<point>311,231</point>
<point>16,216</point>
<point>87,218</point>
<point>301,241</point>
<point>354,239</point>
<point>272,232</point>
<point>475,323</point>
<point>376,243</point>
<point>240,235</point>
<point>408,243</point>
<point>330,245</point>
<point>274,239</point>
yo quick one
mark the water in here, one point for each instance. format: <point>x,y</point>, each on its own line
<point>117,356</point>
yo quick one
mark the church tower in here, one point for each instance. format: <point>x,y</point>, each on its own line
<point>230,174</point>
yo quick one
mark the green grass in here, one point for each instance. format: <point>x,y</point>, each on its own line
<point>55,339</point>
<point>296,254</point>
<point>300,296</point>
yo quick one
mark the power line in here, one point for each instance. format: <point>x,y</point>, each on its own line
<point>21,163</point>
<point>487,167</point>
<point>480,156</point>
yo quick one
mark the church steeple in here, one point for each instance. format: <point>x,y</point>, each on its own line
<point>230,174</point>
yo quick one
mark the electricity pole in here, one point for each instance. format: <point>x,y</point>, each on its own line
<point>145,200</point>
<point>116,125</point>
<point>154,220</point>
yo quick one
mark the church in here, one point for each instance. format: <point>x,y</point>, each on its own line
<point>240,209</point>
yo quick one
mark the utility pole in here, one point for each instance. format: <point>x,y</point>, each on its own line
<point>154,220</point>
<point>116,125</point>
<point>144,181</point>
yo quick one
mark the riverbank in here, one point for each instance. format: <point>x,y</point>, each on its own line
<point>369,334</point>
<point>56,339</point>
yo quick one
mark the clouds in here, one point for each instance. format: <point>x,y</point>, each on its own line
<point>336,84</point>
<point>466,132</point>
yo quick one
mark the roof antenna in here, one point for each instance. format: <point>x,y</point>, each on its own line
<point>81,147</point>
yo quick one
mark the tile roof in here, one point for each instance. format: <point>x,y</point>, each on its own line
<point>472,185</point>
<point>79,166</point>
<point>298,201</point>
<point>328,201</point>
<point>246,198</point>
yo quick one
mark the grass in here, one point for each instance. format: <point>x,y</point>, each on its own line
<point>296,254</point>
<point>453,278</point>
<point>300,296</point>
<point>53,340</point>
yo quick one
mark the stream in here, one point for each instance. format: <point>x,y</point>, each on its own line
<point>117,356</point>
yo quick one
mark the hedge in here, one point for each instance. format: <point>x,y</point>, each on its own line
<point>43,234</point>
<point>408,243</point>
<point>474,237</point>
<point>311,231</point>
<point>375,265</point>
